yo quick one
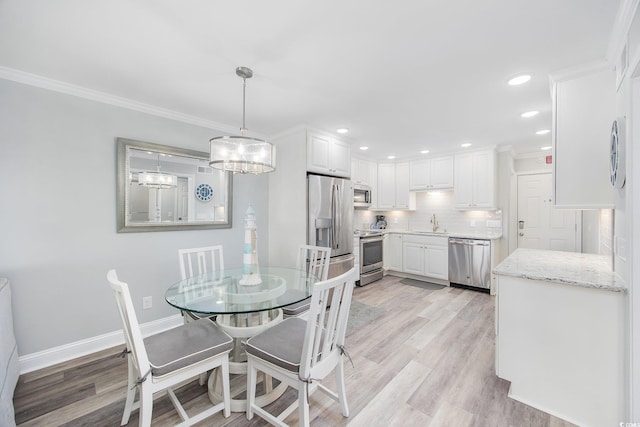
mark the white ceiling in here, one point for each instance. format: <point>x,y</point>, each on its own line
<point>402,76</point>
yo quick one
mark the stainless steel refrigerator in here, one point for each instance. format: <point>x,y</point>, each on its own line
<point>330,219</point>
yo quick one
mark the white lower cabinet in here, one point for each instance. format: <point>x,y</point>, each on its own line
<point>426,256</point>
<point>413,258</point>
<point>437,261</point>
<point>392,252</point>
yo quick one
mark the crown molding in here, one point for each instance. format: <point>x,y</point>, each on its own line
<point>579,71</point>
<point>532,155</point>
<point>106,98</point>
<point>620,30</point>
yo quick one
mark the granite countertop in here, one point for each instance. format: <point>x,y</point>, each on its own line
<point>569,268</point>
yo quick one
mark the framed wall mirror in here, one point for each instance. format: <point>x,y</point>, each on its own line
<point>164,188</point>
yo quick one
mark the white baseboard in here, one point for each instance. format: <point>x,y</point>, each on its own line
<point>63,353</point>
<point>528,402</point>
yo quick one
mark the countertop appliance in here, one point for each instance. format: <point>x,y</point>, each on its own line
<point>330,219</point>
<point>381,222</point>
<point>371,253</point>
<point>470,263</point>
<point>361,196</point>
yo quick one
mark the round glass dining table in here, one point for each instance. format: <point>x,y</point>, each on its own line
<point>225,292</point>
<point>244,306</point>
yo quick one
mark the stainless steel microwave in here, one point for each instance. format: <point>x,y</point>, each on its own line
<point>361,196</point>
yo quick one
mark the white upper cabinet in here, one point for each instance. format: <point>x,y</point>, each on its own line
<point>363,171</point>
<point>393,187</point>
<point>328,155</point>
<point>428,174</point>
<point>442,172</point>
<point>583,112</point>
<point>386,186</point>
<point>475,180</point>
<point>402,186</point>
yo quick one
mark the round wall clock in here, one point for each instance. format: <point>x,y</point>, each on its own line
<point>617,154</point>
<point>204,192</point>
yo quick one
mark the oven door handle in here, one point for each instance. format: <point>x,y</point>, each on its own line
<point>371,239</point>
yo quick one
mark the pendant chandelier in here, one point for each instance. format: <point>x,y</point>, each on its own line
<point>157,179</point>
<point>240,153</point>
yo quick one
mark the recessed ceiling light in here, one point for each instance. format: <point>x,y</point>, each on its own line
<point>518,80</point>
<point>364,147</point>
<point>465,145</point>
<point>545,148</point>
<point>391,157</point>
<point>529,114</point>
<point>424,152</point>
<point>543,132</point>
<point>342,130</point>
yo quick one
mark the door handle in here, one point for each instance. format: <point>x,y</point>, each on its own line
<point>521,234</point>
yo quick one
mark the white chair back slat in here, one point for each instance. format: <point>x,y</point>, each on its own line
<point>132,332</point>
<point>198,261</point>
<point>320,332</point>
<point>332,319</point>
<point>314,260</point>
<point>326,326</point>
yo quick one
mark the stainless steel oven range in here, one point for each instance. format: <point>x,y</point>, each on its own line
<point>370,256</point>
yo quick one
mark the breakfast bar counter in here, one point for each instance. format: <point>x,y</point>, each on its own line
<point>569,268</point>
<point>560,334</point>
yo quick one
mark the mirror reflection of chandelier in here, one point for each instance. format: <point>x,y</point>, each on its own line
<point>242,154</point>
<point>157,179</point>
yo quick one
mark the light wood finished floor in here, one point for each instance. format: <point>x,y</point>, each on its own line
<point>428,360</point>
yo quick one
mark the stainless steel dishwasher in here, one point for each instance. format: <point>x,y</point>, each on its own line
<point>470,263</point>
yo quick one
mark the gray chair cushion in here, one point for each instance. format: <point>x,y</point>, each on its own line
<point>281,344</point>
<point>185,345</point>
<point>297,308</point>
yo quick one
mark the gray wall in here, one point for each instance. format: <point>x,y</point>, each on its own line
<point>58,215</point>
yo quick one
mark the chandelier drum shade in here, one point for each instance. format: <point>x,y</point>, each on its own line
<point>157,179</point>
<point>240,153</point>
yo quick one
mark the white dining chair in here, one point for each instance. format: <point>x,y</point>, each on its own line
<point>301,353</point>
<point>314,260</point>
<point>162,361</point>
<point>198,261</point>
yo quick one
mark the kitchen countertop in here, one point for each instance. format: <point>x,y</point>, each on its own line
<point>462,235</point>
<point>568,268</point>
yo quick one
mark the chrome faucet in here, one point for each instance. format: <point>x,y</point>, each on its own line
<point>434,221</point>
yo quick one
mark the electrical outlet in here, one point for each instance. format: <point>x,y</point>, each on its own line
<point>147,303</point>
<point>472,223</point>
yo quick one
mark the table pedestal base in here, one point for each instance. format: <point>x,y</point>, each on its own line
<point>241,327</point>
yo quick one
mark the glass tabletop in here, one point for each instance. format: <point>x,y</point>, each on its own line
<point>228,292</point>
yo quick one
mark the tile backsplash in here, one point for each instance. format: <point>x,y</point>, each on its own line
<point>439,203</point>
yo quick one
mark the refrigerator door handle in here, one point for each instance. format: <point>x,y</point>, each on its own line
<point>338,215</point>
<point>335,227</point>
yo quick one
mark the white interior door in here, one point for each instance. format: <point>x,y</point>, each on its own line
<point>539,225</point>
